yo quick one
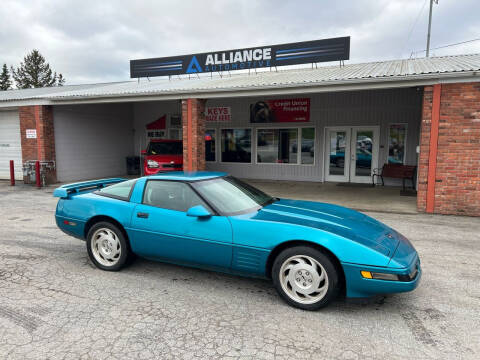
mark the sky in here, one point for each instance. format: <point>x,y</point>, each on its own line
<point>93,41</point>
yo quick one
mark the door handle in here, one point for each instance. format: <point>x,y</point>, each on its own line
<point>142,215</point>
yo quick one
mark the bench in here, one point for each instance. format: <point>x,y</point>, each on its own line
<point>397,171</point>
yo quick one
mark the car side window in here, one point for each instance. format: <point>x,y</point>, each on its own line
<point>120,191</point>
<point>171,195</point>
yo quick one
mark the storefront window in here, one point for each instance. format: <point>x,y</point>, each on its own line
<point>277,146</point>
<point>308,146</point>
<point>397,136</point>
<point>236,145</point>
<point>210,145</point>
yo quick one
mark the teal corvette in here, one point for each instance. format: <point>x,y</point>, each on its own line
<point>312,251</point>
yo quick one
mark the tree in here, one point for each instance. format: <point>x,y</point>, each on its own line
<point>35,72</point>
<point>60,80</point>
<point>5,81</point>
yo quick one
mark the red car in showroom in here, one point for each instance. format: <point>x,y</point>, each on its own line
<point>163,155</point>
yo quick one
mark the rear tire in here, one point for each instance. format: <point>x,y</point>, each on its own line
<point>107,247</point>
<point>305,277</point>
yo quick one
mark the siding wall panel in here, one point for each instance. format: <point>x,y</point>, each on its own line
<point>355,108</point>
<point>92,141</point>
<point>367,108</point>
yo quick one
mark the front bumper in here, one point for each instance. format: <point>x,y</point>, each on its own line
<point>360,287</point>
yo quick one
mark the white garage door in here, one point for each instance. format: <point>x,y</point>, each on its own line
<point>10,145</point>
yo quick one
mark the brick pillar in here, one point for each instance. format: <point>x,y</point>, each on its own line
<point>193,123</point>
<point>456,180</point>
<point>424,148</point>
<point>428,148</point>
<point>40,118</point>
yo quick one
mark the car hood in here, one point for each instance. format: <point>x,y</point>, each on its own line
<point>334,219</point>
<point>177,159</point>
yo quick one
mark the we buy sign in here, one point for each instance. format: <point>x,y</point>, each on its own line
<point>218,113</point>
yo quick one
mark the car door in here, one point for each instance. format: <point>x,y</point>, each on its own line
<point>162,229</point>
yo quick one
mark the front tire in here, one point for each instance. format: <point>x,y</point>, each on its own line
<point>107,247</point>
<point>305,277</point>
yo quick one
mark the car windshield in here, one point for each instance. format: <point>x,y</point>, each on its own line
<point>165,148</point>
<point>231,196</point>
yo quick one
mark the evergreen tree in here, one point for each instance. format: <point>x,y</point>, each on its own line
<point>60,80</point>
<point>5,81</point>
<point>35,72</point>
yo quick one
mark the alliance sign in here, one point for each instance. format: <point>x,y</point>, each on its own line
<point>240,59</point>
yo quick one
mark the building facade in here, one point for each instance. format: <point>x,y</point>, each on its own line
<point>335,123</point>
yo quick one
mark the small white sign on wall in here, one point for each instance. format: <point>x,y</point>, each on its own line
<point>31,133</point>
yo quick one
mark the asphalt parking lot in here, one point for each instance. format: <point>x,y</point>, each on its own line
<point>55,304</point>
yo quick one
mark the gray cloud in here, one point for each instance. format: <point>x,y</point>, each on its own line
<point>92,41</point>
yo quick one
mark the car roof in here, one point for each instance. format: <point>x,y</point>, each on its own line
<point>187,176</point>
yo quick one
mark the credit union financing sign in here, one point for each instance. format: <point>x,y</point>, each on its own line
<point>240,59</point>
<point>282,110</point>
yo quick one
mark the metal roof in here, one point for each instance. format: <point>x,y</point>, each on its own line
<point>43,92</point>
<point>421,70</point>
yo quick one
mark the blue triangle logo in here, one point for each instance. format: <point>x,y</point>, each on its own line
<point>194,66</point>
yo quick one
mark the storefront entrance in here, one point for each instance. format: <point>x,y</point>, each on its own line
<point>351,153</point>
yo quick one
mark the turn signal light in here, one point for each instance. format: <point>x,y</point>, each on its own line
<point>366,274</point>
<point>379,276</point>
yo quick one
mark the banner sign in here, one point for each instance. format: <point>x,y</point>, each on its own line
<point>156,129</point>
<point>160,123</point>
<point>240,59</point>
<point>156,134</point>
<point>218,113</point>
<point>279,111</point>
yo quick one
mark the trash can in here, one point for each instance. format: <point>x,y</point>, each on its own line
<point>133,165</point>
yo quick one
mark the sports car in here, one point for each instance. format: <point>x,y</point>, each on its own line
<point>312,251</point>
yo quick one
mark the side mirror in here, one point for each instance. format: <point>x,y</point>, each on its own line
<point>198,211</point>
<point>143,152</point>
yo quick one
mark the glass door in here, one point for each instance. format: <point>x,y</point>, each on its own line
<point>364,154</point>
<point>337,159</point>
<point>351,153</point>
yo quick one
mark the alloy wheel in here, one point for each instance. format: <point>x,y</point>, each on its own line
<point>106,247</point>
<point>303,279</point>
